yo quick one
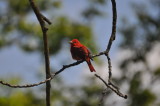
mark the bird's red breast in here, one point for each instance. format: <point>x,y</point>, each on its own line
<point>80,52</point>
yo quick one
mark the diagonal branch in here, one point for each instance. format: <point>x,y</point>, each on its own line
<point>112,88</point>
<point>26,85</point>
<point>46,19</point>
<point>52,75</point>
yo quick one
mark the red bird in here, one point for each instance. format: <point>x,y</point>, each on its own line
<point>80,52</point>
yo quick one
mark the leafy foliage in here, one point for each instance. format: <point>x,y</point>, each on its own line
<point>140,38</point>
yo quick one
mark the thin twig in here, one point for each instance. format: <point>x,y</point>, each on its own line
<point>42,20</point>
<point>110,72</point>
<point>112,88</point>
<point>99,54</point>
<point>46,19</point>
<point>26,85</point>
<point>67,66</point>
<point>109,68</point>
<point>112,38</point>
<point>52,75</point>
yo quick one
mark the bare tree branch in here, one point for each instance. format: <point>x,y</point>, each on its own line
<point>26,85</point>
<point>52,75</point>
<point>114,22</point>
<point>46,19</point>
<point>112,88</point>
<point>112,38</point>
<point>109,68</point>
<point>42,20</point>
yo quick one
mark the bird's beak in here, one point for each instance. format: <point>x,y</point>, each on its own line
<point>70,42</point>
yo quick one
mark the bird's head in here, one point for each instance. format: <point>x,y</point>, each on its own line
<point>74,42</point>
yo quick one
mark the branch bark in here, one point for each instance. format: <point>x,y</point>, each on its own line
<point>112,38</point>
<point>112,88</point>
<point>26,85</point>
<point>52,75</point>
<point>114,22</point>
<point>42,20</point>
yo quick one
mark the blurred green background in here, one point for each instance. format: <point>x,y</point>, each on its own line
<point>135,53</point>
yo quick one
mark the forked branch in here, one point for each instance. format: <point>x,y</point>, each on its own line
<point>112,88</point>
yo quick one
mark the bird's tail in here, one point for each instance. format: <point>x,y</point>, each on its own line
<point>90,65</point>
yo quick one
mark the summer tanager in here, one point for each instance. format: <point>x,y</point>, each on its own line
<point>80,52</point>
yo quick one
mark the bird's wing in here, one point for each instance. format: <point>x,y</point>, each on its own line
<point>84,50</point>
<point>81,51</point>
